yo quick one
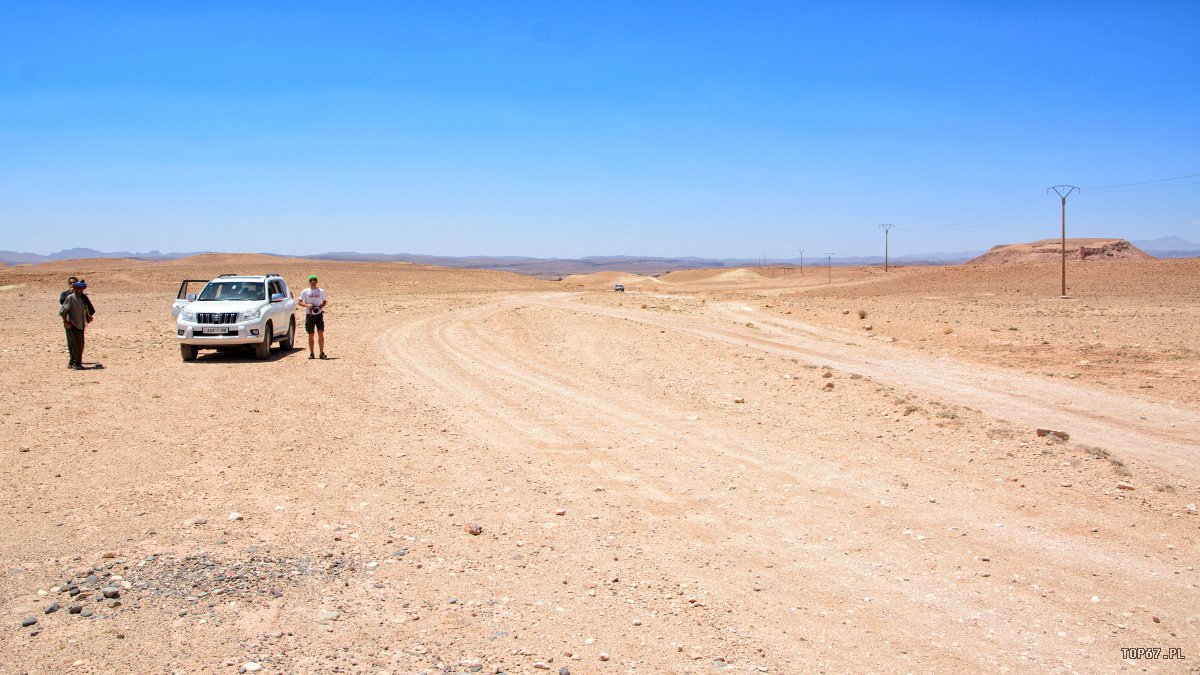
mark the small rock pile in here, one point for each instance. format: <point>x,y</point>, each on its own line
<point>199,579</point>
<point>88,592</point>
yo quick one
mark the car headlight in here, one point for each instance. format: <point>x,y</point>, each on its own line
<point>251,314</point>
<point>188,316</point>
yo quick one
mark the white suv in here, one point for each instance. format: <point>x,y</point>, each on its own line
<point>235,311</point>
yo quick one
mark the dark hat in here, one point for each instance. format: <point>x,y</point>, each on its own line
<point>79,284</point>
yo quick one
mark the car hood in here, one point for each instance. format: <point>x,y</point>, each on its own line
<point>224,306</point>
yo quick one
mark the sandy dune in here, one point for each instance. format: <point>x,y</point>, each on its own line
<point>720,470</point>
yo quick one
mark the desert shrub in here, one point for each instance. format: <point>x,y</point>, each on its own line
<point>862,313</point>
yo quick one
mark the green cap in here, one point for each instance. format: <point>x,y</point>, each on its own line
<point>312,277</point>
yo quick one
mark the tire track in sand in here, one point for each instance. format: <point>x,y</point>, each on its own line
<point>516,398</point>
<point>1163,435</point>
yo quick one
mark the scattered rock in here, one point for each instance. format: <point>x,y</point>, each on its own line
<point>1125,486</point>
<point>603,656</point>
<point>195,522</point>
<point>74,609</point>
<point>28,621</point>
<point>235,516</point>
<point>560,512</point>
<point>1060,435</point>
<point>52,608</point>
<point>111,592</point>
<point>740,399</point>
<point>829,385</point>
<point>1191,508</point>
<point>328,615</point>
<point>250,667</point>
<point>473,529</point>
<point>868,327</point>
<point>827,374</point>
<point>23,448</point>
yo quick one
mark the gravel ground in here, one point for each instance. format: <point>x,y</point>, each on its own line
<point>727,471</point>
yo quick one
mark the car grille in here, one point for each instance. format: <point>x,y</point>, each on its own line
<point>217,317</point>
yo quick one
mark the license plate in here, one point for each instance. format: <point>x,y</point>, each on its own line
<point>214,331</point>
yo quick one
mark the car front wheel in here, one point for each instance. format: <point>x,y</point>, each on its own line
<point>263,349</point>
<point>188,352</point>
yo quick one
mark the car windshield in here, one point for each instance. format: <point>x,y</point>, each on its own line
<point>233,290</point>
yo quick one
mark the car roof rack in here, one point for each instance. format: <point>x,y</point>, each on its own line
<point>228,275</point>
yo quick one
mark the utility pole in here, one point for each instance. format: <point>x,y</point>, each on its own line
<point>829,265</point>
<point>886,227</point>
<point>1062,191</point>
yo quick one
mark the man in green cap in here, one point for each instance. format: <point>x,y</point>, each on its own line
<point>314,300</point>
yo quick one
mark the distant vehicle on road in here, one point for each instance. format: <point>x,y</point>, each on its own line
<point>619,288</point>
<point>235,311</point>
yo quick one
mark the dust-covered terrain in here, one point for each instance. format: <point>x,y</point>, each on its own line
<point>750,470</point>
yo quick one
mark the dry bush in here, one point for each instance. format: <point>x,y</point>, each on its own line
<point>1118,466</point>
<point>862,313</point>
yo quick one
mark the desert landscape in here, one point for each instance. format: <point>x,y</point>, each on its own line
<point>933,469</point>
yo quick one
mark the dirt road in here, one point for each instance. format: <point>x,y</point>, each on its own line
<point>791,505</point>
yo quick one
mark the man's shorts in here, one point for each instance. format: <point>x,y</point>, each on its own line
<point>312,321</point>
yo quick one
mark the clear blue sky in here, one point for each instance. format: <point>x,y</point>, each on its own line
<point>563,129</point>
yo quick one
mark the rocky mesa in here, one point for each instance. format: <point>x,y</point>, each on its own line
<point>1048,250</point>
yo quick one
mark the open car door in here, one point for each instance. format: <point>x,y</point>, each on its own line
<point>186,295</point>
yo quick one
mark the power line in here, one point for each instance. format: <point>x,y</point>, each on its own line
<point>1030,205</point>
<point>1027,206</point>
<point>1144,182</point>
<point>1141,189</point>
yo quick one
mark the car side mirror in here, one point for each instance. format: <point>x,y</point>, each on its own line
<point>191,297</point>
<point>278,297</point>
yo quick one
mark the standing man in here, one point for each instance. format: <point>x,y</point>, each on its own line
<point>314,301</point>
<point>75,316</point>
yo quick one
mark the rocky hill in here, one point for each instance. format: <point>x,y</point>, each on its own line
<point>1050,250</point>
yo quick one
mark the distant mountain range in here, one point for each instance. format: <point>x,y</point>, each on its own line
<point>1169,247</point>
<point>1165,247</point>
<point>15,258</point>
